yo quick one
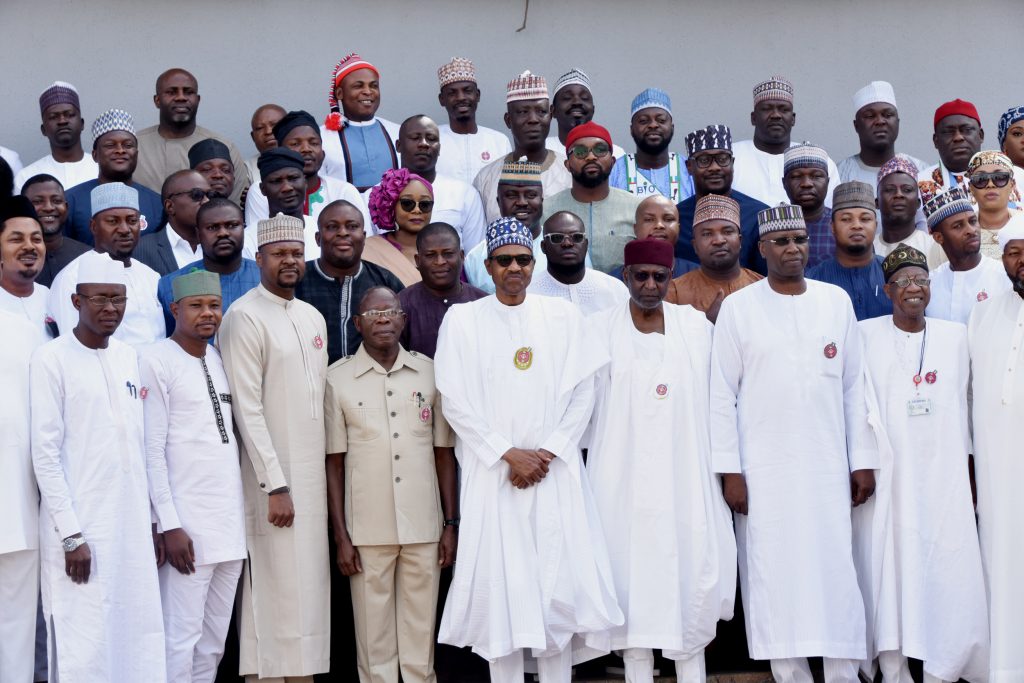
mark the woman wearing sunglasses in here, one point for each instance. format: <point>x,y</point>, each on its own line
<point>990,174</point>
<point>400,206</point>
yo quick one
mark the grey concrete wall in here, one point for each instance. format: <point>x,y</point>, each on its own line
<point>706,54</point>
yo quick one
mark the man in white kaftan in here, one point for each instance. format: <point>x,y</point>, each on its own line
<point>668,529</point>
<point>995,338</point>
<point>101,596</point>
<point>916,541</point>
<point>789,425</point>
<point>518,389</point>
<point>194,480</point>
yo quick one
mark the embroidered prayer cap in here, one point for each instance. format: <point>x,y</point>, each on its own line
<point>196,282</point>
<point>17,206</point>
<point>587,130</point>
<point>804,155</point>
<point>59,93</point>
<point>711,137</point>
<point>1009,117</point>
<point>573,76</point>
<point>347,64</point>
<point>902,256</point>
<point>280,228</point>
<point>781,217</point>
<point>526,86</point>
<point>954,107</point>
<point>458,70</point>
<point>775,88</point>
<point>941,206</point>
<point>95,268</point>
<point>853,195</point>
<point>988,156</point>
<point>875,91</point>
<point>1013,230</point>
<point>113,196</point>
<point>111,120</point>
<point>384,195</point>
<point>651,98</point>
<point>649,251</point>
<point>898,164</point>
<point>520,173</point>
<point>276,158</point>
<point>506,231</point>
<point>712,207</point>
<point>207,149</point>
<point>291,121</point>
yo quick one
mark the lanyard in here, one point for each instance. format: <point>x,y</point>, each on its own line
<point>920,362</point>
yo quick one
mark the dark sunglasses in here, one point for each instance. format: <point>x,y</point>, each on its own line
<point>600,151</point>
<point>505,260</point>
<point>644,276</point>
<point>409,204</point>
<point>196,195</point>
<point>558,238</point>
<point>999,179</point>
<point>784,241</point>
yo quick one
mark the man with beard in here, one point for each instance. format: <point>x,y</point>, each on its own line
<point>284,186</point>
<point>653,169</point>
<point>116,151</point>
<point>22,253</point>
<point>899,206</point>
<point>337,278</point>
<point>967,278</point>
<point>805,178</point>
<point>212,160</point>
<point>528,116</point>
<point>710,163</point>
<point>262,133</point>
<point>877,124</point>
<point>572,104</point>
<point>176,243</point>
<point>163,148</point>
<point>47,197</point>
<point>567,276</point>
<point>467,146</point>
<point>221,237</point>
<point>958,137</point>
<point>115,230</point>
<point>759,162</point>
<point>439,258</point>
<point>62,127</point>
<point>854,266</point>
<point>297,131</point>
<point>607,212</point>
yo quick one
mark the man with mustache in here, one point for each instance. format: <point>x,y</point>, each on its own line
<point>572,104</point>
<point>805,179</point>
<point>47,197</point>
<point>212,160</point>
<point>221,239</point>
<point>62,126</point>
<point>958,137</point>
<point>22,254</point>
<point>653,169</point>
<point>899,209</point>
<point>284,186</point>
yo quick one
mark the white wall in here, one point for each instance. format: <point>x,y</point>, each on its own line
<point>707,55</point>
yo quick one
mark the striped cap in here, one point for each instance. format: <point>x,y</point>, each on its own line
<point>111,120</point>
<point>344,67</point>
<point>804,155</point>
<point>781,217</point>
<point>898,164</point>
<point>520,173</point>
<point>775,88</point>
<point>941,206</point>
<point>526,86</point>
<point>713,207</point>
<point>651,98</point>
<point>853,195</point>
<point>573,76</point>
<point>59,93</point>
<point>710,137</point>
<point>280,228</point>
<point>458,70</point>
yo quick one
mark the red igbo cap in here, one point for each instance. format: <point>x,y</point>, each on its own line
<point>587,130</point>
<point>649,251</point>
<point>957,106</point>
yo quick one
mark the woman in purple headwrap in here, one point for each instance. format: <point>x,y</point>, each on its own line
<point>400,206</point>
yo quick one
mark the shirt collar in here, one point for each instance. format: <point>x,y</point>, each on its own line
<point>321,273</point>
<point>280,301</point>
<point>363,362</point>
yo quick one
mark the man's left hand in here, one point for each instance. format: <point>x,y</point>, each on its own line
<point>862,486</point>
<point>448,547</point>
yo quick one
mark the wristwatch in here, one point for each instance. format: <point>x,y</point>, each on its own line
<point>72,544</point>
<point>452,522</point>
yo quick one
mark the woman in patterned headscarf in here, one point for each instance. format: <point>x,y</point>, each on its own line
<point>992,186</point>
<point>400,206</point>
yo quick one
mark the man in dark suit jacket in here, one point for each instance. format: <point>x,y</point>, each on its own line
<point>176,244</point>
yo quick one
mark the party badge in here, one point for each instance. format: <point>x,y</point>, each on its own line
<point>523,358</point>
<point>143,392</point>
<point>425,415</point>
<point>831,350</point>
<point>661,391</point>
<point>931,377</point>
<point>982,295</point>
<point>485,155</point>
<point>318,342</point>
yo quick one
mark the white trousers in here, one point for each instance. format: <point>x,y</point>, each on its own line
<point>639,664</point>
<point>796,670</point>
<point>19,600</point>
<point>555,668</point>
<point>252,678</point>
<point>197,611</point>
<point>895,669</point>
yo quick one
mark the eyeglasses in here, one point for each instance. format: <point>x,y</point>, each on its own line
<point>999,179</point>
<point>724,160</point>
<point>600,150</point>
<point>100,301</point>
<point>505,260</point>
<point>409,204</point>
<point>196,195</point>
<point>784,241</point>
<point>387,313</point>
<point>643,276</point>
<point>558,237</point>
<point>905,282</point>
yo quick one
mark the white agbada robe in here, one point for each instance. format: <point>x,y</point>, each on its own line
<point>143,321</point>
<point>89,459</point>
<point>794,422</point>
<point>996,340</point>
<point>954,294</point>
<point>597,291</point>
<point>916,542</point>
<point>331,188</point>
<point>463,155</point>
<point>668,529</point>
<point>536,569</point>
<point>34,307</point>
<point>758,174</point>
<point>69,173</point>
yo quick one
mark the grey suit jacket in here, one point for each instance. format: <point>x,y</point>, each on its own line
<point>154,250</point>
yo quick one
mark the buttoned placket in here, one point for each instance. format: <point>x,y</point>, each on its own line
<point>1014,353</point>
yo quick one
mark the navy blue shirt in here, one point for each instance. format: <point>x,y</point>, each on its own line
<point>151,210</point>
<point>750,256</point>
<point>864,285</point>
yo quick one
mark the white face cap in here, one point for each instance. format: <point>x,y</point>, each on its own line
<point>875,91</point>
<point>96,268</point>
<point>1013,230</point>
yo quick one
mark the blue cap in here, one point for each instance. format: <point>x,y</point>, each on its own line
<point>506,231</point>
<point>652,97</point>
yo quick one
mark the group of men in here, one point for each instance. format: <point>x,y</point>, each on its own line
<point>623,383</point>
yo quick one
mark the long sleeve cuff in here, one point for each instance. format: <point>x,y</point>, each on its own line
<point>498,447</point>
<point>167,517</point>
<point>271,480</point>
<point>67,523</point>
<point>726,462</point>
<point>864,459</point>
<point>559,445</point>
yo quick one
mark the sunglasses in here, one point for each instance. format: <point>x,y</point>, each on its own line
<point>196,195</point>
<point>905,282</point>
<point>409,205</point>
<point>644,276</point>
<point>600,150</point>
<point>505,260</point>
<point>784,241</point>
<point>724,160</point>
<point>558,238</point>
<point>999,179</point>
